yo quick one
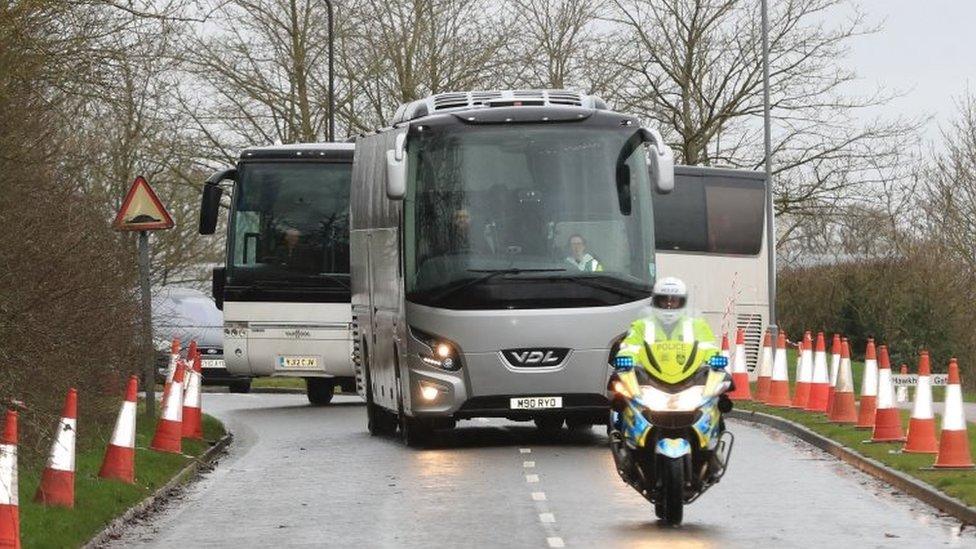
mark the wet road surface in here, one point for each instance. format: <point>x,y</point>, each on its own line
<point>302,476</point>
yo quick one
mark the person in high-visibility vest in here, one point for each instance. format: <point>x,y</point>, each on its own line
<point>579,257</point>
<point>692,337</point>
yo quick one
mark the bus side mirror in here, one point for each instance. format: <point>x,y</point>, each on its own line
<point>660,160</point>
<point>396,169</point>
<point>210,201</point>
<point>217,286</point>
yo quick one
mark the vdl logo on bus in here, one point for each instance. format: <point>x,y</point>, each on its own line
<point>545,357</point>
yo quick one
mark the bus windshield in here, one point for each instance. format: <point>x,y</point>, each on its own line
<point>290,225</point>
<point>711,213</point>
<point>527,216</point>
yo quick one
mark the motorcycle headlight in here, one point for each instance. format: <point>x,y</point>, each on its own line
<point>437,351</point>
<point>662,401</point>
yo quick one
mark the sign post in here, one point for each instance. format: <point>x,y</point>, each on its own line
<point>143,212</point>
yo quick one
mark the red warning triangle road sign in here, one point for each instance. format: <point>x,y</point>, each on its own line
<point>141,210</point>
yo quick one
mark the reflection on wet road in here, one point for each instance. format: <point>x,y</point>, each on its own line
<point>303,476</point>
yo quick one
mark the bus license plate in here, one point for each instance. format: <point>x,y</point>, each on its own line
<point>212,363</point>
<point>300,362</point>
<point>536,403</point>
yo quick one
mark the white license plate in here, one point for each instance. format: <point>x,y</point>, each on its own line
<point>536,403</point>
<point>300,362</point>
<point>212,363</point>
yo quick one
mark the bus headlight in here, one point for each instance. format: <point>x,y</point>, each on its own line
<point>437,351</point>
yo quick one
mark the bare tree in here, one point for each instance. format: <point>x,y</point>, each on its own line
<point>394,52</point>
<point>696,69</point>
<point>564,44</point>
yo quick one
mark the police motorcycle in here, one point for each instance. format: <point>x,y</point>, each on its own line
<point>666,430</point>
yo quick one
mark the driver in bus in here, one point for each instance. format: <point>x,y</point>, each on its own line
<point>463,241</point>
<point>579,257</point>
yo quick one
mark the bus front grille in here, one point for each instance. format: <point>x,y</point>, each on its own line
<point>751,325</point>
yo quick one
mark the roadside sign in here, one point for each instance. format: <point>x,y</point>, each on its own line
<point>142,210</point>
<point>904,380</point>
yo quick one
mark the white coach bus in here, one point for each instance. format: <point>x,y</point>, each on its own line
<point>475,221</point>
<point>710,232</point>
<point>285,287</point>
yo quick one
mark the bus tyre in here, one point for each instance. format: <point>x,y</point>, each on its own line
<point>242,386</point>
<point>549,425</point>
<point>579,424</point>
<point>415,432</point>
<point>319,390</point>
<point>674,487</point>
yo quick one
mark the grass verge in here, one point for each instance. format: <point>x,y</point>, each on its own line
<point>958,484</point>
<point>98,501</point>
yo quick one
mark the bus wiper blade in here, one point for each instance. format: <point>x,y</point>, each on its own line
<point>586,281</point>
<point>488,274</point>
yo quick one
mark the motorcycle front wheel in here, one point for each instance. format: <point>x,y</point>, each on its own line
<point>673,496</point>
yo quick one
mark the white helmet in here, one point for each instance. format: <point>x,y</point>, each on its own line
<point>670,295</point>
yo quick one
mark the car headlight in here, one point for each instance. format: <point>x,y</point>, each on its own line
<point>683,401</point>
<point>437,351</point>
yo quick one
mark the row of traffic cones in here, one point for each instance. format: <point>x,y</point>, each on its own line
<point>830,390</point>
<point>181,418</point>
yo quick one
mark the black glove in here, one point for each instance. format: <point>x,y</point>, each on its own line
<point>724,403</point>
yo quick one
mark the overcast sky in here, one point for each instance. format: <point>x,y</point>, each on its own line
<point>927,48</point>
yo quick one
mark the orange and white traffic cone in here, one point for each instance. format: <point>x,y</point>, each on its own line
<point>804,373</point>
<point>192,419</point>
<point>921,427</point>
<point>954,441</point>
<point>834,369</point>
<point>740,373</point>
<point>887,417</point>
<point>844,409</point>
<point>169,429</point>
<point>901,391</point>
<point>9,505</point>
<point>765,369</point>
<point>869,388</point>
<point>174,357</point>
<point>724,351</point>
<point>779,383</point>
<point>58,478</point>
<point>821,378</point>
<point>119,462</point>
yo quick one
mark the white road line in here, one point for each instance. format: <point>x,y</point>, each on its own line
<point>525,450</point>
<point>528,464</point>
<point>531,478</point>
<point>547,517</point>
<point>555,542</point>
<point>539,496</point>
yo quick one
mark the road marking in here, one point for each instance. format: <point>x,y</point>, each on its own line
<point>528,464</point>
<point>547,517</point>
<point>525,450</point>
<point>539,496</point>
<point>531,478</point>
<point>555,542</point>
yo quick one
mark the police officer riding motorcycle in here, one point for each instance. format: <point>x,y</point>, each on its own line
<point>668,394</point>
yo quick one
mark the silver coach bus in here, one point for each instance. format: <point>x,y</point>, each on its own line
<point>501,243</point>
<point>285,287</point>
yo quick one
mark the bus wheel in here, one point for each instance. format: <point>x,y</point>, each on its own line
<point>242,386</point>
<point>415,432</point>
<point>319,390</point>
<point>549,425</point>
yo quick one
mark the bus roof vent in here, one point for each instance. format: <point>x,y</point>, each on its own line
<point>455,101</point>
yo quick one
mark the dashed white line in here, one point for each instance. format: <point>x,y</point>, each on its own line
<point>547,517</point>
<point>555,542</point>
<point>528,464</point>
<point>531,478</point>
<point>539,496</point>
<point>525,450</point>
